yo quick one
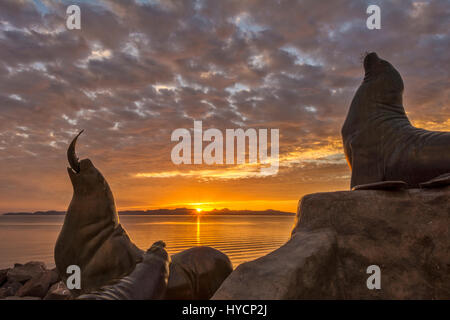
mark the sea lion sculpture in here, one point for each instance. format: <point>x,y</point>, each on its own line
<point>148,281</point>
<point>112,267</point>
<point>197,273</point>
<point>383,149</point>
<point>92,237</point>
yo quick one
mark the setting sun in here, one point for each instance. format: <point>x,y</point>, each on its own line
<point>199,210</point>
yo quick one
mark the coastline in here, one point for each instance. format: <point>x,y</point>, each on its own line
<point>168,212</point>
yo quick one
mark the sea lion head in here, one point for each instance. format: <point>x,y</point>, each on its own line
<point>85,178</point>
<point>382,80</point>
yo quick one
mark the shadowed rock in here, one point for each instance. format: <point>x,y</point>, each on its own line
<point>406,233</point>
<point>24,272</point>
<point>38,286</point>
<point>303,268</point>
<point>380,143</point>
<point>338,235</point>
<point>9,288</point>
<point>22,298</point>
<point>3,276</point>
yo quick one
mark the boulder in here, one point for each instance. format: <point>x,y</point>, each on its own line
<point>25,272</point>
<point>406,233</point>
<point>58,291</point>
<point>303,268</point>
<point>10,288</point>
<point>3,276</point>
<point>38,286</point>
<point>197,273</point>
<point>21,298</point>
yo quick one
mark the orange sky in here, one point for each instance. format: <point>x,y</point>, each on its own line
<point>137,71</point>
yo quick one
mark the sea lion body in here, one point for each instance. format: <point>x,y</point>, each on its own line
<point>380,143</point>
<point>197,273</point>
<point>92,237</point>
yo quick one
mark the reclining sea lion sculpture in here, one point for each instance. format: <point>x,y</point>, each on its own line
<point>111,266</point>
<point>197,273</point>
<point>148,281</point>
<point>383,149</point>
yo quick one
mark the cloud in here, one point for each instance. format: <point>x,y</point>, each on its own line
<point>137,70</point>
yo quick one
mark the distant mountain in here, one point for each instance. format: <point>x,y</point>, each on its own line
<point>36,213</point>
<point>177,211</point>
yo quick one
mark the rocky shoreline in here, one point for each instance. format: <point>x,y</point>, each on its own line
<point>32,281</point>
<point>336,237</point>
<point>339,235</point>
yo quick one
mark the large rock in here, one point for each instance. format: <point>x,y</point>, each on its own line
<point>24,272</point>
<point>303,268</point>
<point>3,276</point>
<point>38,286</point>
<point>405,233</point>
<point>10,288</point>
<point>21,298</point>
<point>197,273</point>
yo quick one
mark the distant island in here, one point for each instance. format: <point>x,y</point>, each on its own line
<point>168,212</point>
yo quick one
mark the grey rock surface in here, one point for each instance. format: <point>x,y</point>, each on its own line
<point>303,268</point>
<point>404,232</point>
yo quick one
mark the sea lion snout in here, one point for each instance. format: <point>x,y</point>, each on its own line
<point>85,178</point>
<point>83,165</point>
<point>370,60</point>
<point>88,180</point>
<point>374,66</point>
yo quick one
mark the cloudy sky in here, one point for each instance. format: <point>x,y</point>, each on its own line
<point>139,69</point>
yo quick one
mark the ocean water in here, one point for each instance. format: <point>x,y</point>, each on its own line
<point>242,238</point>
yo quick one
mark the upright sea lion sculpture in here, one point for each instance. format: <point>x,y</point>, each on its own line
<point>112,267</point>
<point>92,237</point>
<point>383,149</point>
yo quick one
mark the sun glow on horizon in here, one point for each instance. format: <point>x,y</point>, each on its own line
<point>201,208</point>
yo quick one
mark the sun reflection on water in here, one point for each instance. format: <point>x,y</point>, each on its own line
<point>198,230</point>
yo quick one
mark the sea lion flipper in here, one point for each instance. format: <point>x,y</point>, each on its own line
<point>148,281</point>
<point>382,185</point>
<point>438,182</point>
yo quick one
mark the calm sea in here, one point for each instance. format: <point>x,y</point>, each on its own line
<point>242,238</point>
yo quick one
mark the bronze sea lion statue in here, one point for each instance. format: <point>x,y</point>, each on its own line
<point>92,237</point>
<point>111,266</point>
<point>197,273</point>
<point>148,281</point>
<point>383,149</point>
